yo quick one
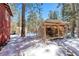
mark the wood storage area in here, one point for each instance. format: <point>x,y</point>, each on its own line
<point>5,14</point>
<point>52,29</point>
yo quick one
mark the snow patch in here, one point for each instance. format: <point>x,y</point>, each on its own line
<point>41,50</point>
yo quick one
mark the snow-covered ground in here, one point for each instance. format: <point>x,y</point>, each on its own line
<point>40,49</point>
<point>17,43</point>
<point>32,46</point>
<point>64,47</point>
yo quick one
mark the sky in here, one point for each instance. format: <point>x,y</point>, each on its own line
<point>46,7</point>
<point>50,6</point>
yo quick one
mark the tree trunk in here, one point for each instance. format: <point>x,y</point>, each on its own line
<point>73,28</point>
<point>23,20</point>
<point>73,20</point>
<point>77,22</point>
<point>77,28</point>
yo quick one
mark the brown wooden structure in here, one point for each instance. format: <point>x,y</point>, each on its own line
<point>52,29</point>
<point>5,13</point>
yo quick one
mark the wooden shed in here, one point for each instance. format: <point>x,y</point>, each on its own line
<point>5,13</point>
<point>52,29</point>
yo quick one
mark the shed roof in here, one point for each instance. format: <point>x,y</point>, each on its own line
<point>50,20</point>
<point>54,22</point>
<point>6,6</point>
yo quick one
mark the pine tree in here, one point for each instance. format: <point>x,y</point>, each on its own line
<point>69,14</point>
<point>33,21</point>
<point>73,20</point>
<point>77,16</point>
<point>52,15</point>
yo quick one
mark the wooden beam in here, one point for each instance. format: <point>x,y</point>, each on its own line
<point>45,39</point>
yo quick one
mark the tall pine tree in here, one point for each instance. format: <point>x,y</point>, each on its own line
<point>52,15</point>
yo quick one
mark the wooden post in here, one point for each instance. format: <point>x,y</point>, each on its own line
<point>44,38</point>
<point>58,30</point>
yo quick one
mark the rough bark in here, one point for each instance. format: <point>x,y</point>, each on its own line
<point>73,20</point>
<point>23,20</point>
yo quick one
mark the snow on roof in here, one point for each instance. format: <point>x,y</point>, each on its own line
<point>51,20</point>
<point>54,22</point>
